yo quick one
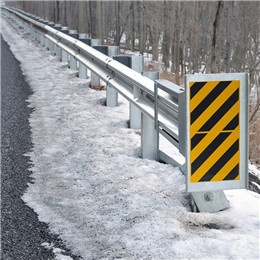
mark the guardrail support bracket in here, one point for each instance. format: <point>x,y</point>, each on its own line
<point>209,201</point>
<point>149,135</point>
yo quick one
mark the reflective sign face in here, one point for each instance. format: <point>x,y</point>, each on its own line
<point>214,130</point>
<point>213,133</point>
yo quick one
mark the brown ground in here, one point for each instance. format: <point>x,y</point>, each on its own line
<point>254,139</point>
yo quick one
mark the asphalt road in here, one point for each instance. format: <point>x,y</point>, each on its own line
<point>22,233</point>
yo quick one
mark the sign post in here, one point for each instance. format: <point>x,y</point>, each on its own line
<point>217,132</point>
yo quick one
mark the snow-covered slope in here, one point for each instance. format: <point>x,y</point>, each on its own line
<point>92,188</point>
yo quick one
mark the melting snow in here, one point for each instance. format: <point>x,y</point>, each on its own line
<point>57,251</point>
<point>92,188</point>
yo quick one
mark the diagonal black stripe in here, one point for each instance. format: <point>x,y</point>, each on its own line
<point>233,123</point>
<point>233,173</point>
<point>221,162</point>
<point>220,112</point>
<point>208,151</point>
<point>195,88</point>
<point>196,139</point>
<point>208,100</point>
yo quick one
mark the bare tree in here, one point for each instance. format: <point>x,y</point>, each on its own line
<point>194,36</point>
<point>216,24</point>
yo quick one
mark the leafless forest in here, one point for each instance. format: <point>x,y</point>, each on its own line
<point>180,37</point>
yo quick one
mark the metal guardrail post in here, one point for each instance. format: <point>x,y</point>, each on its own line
<point>73,61</point>
<point>156,120</point>
<point>42,40</point>
<point>57,26</point>
<point>64,29</point>
<point>135,113</point>
<point>35,35</point>
<point>83,71</point>
<point>57,49</point>
<point>136,63</point>
<point>51,24</point>
<point>111,96</point>
<point>45,40</point>
<point>93,42</point>
<point>38,37</point>
<point>50,43</point>
<point>51,46</point>
<point>58,52</point>
<point>95,79</point>
<point>110,51</point>
<point>111,93</point>
<point>45,21</point>
<point>149,135</point>
<point>64,54</point>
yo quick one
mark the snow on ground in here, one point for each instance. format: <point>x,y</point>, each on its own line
<point>56,251</point>
<point>253,168</point>
<point>92,188</point>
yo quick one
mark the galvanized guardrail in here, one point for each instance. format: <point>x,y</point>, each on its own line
<point>154,104</point>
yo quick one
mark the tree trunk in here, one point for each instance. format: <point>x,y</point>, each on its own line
<point>216,26</point>
<point>91,17</point>
<point>176,50</point>
<point>65,13</point>
<point>100,21</point>
<point>82,17</point>
<point>155,43</point>
<point>142,36</point>
<point>133,28</point>
<point>58,11</point>
<point>155,33</point>
<point>117,15</point>
<point>166,40</point>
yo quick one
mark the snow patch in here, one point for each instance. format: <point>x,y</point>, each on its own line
<point>94,191</point>
<point>56,251</point>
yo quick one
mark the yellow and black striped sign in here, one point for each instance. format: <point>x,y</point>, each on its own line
<point>214,134</point>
